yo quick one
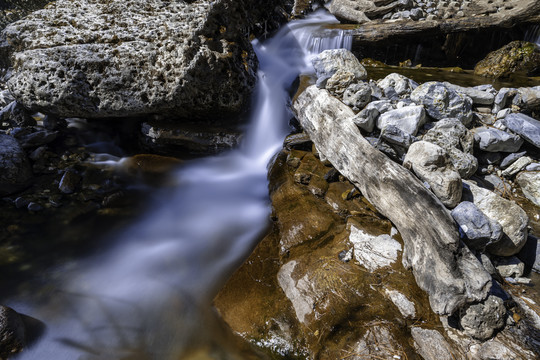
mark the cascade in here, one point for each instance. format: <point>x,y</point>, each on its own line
<point>533,34</point>
<point>149,296</point>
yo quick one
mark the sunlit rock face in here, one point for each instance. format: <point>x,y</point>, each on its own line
<point>96,59</point>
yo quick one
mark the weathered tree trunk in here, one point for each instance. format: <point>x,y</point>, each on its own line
<point>441,264</point>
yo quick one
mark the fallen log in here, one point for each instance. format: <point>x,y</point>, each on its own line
<point>441,264</point>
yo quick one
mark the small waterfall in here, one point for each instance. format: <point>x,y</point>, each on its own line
<point>533,34</point>
<point>149,296</point>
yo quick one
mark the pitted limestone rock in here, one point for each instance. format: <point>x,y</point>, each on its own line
<point>95,59</point>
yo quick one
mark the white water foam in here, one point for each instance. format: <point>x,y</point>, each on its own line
<point>148,297</point>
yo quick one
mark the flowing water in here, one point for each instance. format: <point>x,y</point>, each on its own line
<point>533,34</point>
<point>149,296</point>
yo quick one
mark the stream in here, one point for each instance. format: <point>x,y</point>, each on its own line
<point>149,296</point>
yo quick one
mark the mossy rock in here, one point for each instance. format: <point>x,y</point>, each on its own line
<point>517,56</point>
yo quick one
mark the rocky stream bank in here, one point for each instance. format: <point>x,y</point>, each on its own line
<point>405,214</point>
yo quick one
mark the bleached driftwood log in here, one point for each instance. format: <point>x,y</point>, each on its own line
<point>442,266</point>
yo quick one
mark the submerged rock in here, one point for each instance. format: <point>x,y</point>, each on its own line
<point>12,332</point>
<point>373,252</point>
<point>431,345</point>
<point>182,57</point>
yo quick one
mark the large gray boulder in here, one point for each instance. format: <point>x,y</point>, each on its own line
<point>431,345</point>
<point>96,59</point>
<point>525,126</point>
<point>458,141</point>
<point>15,169</point>
<point>508,214</point>
<point>431,164</point>
<point>448,272</point>
<point>442,102</point>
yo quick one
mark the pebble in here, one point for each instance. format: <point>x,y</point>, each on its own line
<point>32,206</point>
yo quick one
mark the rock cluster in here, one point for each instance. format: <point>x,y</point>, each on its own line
<point>449,141</point>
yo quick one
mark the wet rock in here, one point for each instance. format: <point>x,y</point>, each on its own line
<point>12,332</point>
<point>458,141</point>
<point>525,126</point>
<point>431,345</point>
<point>16,115</point>
<point>378,342</point>
<point>530,185</point>
<point>170,138</point>
<point>69,182</point>
<point>200,64</point>
<point>513,57</point>
<point>34,207</point>
<point>373,252</point>
<point>508,214</point>
<point>495,140</point>
<point>16,172</point>
<point>431,164</point>
<point>441,102</point>
<point>357,95</point>
<point>478,97</point>
<point>510,267</point>
<point>517,166</point>
<point>329,62</point>
<point>479,230</point>
<point>405,306</point>
<point>480,321</point>
<point>409,119</point>
<point>34,137</point>
<point>300,141</point>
